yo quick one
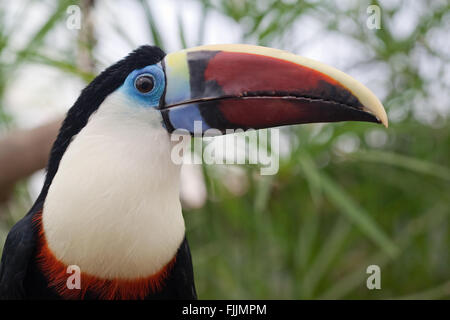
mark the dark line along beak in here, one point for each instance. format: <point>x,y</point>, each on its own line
<point>243,86</point>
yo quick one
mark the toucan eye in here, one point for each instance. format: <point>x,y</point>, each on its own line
<point>144,83</point>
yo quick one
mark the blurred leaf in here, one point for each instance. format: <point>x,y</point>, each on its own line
<point>348,207</point>
<point>402,161</point>
<point>45,28</point>
<point>157,40</point>
<point>440,292</point>
<point>64,66</point>
<point>181,35</point>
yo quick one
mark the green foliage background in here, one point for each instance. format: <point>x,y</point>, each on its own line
<point>311,231</point>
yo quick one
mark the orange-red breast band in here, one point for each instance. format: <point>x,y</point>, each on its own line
<point>56,274</point>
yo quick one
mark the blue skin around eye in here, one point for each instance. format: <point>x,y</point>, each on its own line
<point>181,117</point>
<point>152,98</point>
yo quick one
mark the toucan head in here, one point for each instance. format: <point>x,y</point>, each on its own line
<point>243,86</point>
<point>223,87</point>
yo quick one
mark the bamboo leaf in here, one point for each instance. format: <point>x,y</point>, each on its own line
<point>181,34</point>
<point>347,206</point>
<point>403,161</point>
<point>157,40</point>
<point>65,66</point>
<point>39,36</point>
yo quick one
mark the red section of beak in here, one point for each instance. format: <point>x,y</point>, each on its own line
<point>241,74</point>
<point>260,113</point>
<point>261,73</point>
<point>265,91</point>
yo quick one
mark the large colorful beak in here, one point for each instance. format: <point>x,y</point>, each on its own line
<point>242,86</point>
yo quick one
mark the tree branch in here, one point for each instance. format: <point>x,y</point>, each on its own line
<point>23,152</point>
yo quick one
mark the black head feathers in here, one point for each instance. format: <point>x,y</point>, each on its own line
<point>90,99</point>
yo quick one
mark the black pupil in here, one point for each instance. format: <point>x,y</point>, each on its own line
<point>144,84</point>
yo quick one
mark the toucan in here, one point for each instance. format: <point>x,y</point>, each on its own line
<point>109,209</point>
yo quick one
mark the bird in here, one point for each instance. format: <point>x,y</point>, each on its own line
<point>109,208</point>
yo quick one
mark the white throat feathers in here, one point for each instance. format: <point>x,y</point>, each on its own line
<point>113,207</point>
